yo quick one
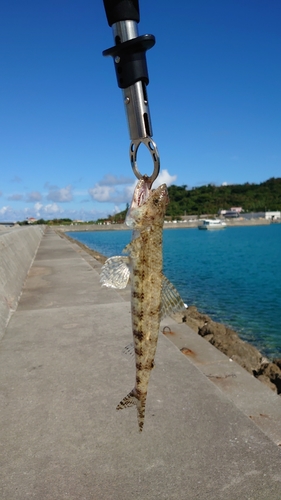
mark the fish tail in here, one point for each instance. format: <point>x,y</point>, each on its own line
<point>132,400</point>
<point>129,400</point>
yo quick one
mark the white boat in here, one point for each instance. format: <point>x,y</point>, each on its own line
<point>212,224</point>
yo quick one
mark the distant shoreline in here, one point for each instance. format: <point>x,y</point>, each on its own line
<point>168,225</point>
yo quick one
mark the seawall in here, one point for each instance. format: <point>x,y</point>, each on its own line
<point>18,247</point>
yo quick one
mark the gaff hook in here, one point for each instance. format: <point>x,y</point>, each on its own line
<point>151,146</point>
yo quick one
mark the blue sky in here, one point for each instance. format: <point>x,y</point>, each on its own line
<point>214,96</point>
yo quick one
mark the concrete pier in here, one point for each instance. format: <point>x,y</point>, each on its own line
<point>62,373</point>
<point>18,247</point>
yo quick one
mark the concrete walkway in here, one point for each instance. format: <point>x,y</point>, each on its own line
<point>62,373</point>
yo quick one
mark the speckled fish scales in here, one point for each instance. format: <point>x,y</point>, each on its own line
<point>152,295</point>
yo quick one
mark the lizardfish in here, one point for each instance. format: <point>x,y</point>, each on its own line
<point>152,295</point>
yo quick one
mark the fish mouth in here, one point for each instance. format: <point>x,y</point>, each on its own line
<point>147,204</point>
<point>140,197</point>
<point>142,193</point>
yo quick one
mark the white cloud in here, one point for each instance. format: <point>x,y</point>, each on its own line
<point>116,210</point>
<point>8,214</point>
<point>164,178</point>
<point>4,210</point>
<point>34,196</point>
<point>112,180</point>
<point>119,190</point>
<point>15,197</point>
<point>62,195</point>
<point>49,186</point>
<point>111,194</point>
<point>101,193</point>
<point>124,195</point>
<point>37,207</point>
<point>52,208</point>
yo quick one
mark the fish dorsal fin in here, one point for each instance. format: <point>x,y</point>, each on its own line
<point>171,300</point>
<point>115,272</point>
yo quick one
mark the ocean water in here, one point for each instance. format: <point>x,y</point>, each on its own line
<point>233,275</point>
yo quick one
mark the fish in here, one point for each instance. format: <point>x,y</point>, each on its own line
<point>152,294</point>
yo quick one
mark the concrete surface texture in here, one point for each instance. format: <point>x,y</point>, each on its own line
<point>62,374</point>
<point>18,247</point>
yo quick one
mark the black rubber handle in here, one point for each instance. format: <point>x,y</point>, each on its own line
<point>130,61</point>
<point>121,10</point>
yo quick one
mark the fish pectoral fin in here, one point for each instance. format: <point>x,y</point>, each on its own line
<point>134,247</point>
<point>171,300</point>
<point>129,400</point>
<point>115,272</point>
<point>129,350</point>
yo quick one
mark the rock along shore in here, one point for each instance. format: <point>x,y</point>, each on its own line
<point>221,336</point>
<point>228,341</point>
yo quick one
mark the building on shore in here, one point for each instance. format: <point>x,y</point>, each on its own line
<point>237,209</point>
<point>232,213</point>
<point>273,215</point>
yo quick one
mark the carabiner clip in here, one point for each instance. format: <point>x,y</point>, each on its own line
<point>151,146</point>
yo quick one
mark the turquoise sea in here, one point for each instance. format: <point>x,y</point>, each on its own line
<point>233,275</point>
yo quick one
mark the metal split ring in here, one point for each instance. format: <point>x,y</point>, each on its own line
<point>151,146</point>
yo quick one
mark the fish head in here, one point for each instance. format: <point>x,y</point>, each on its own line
<point>148,206</point>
